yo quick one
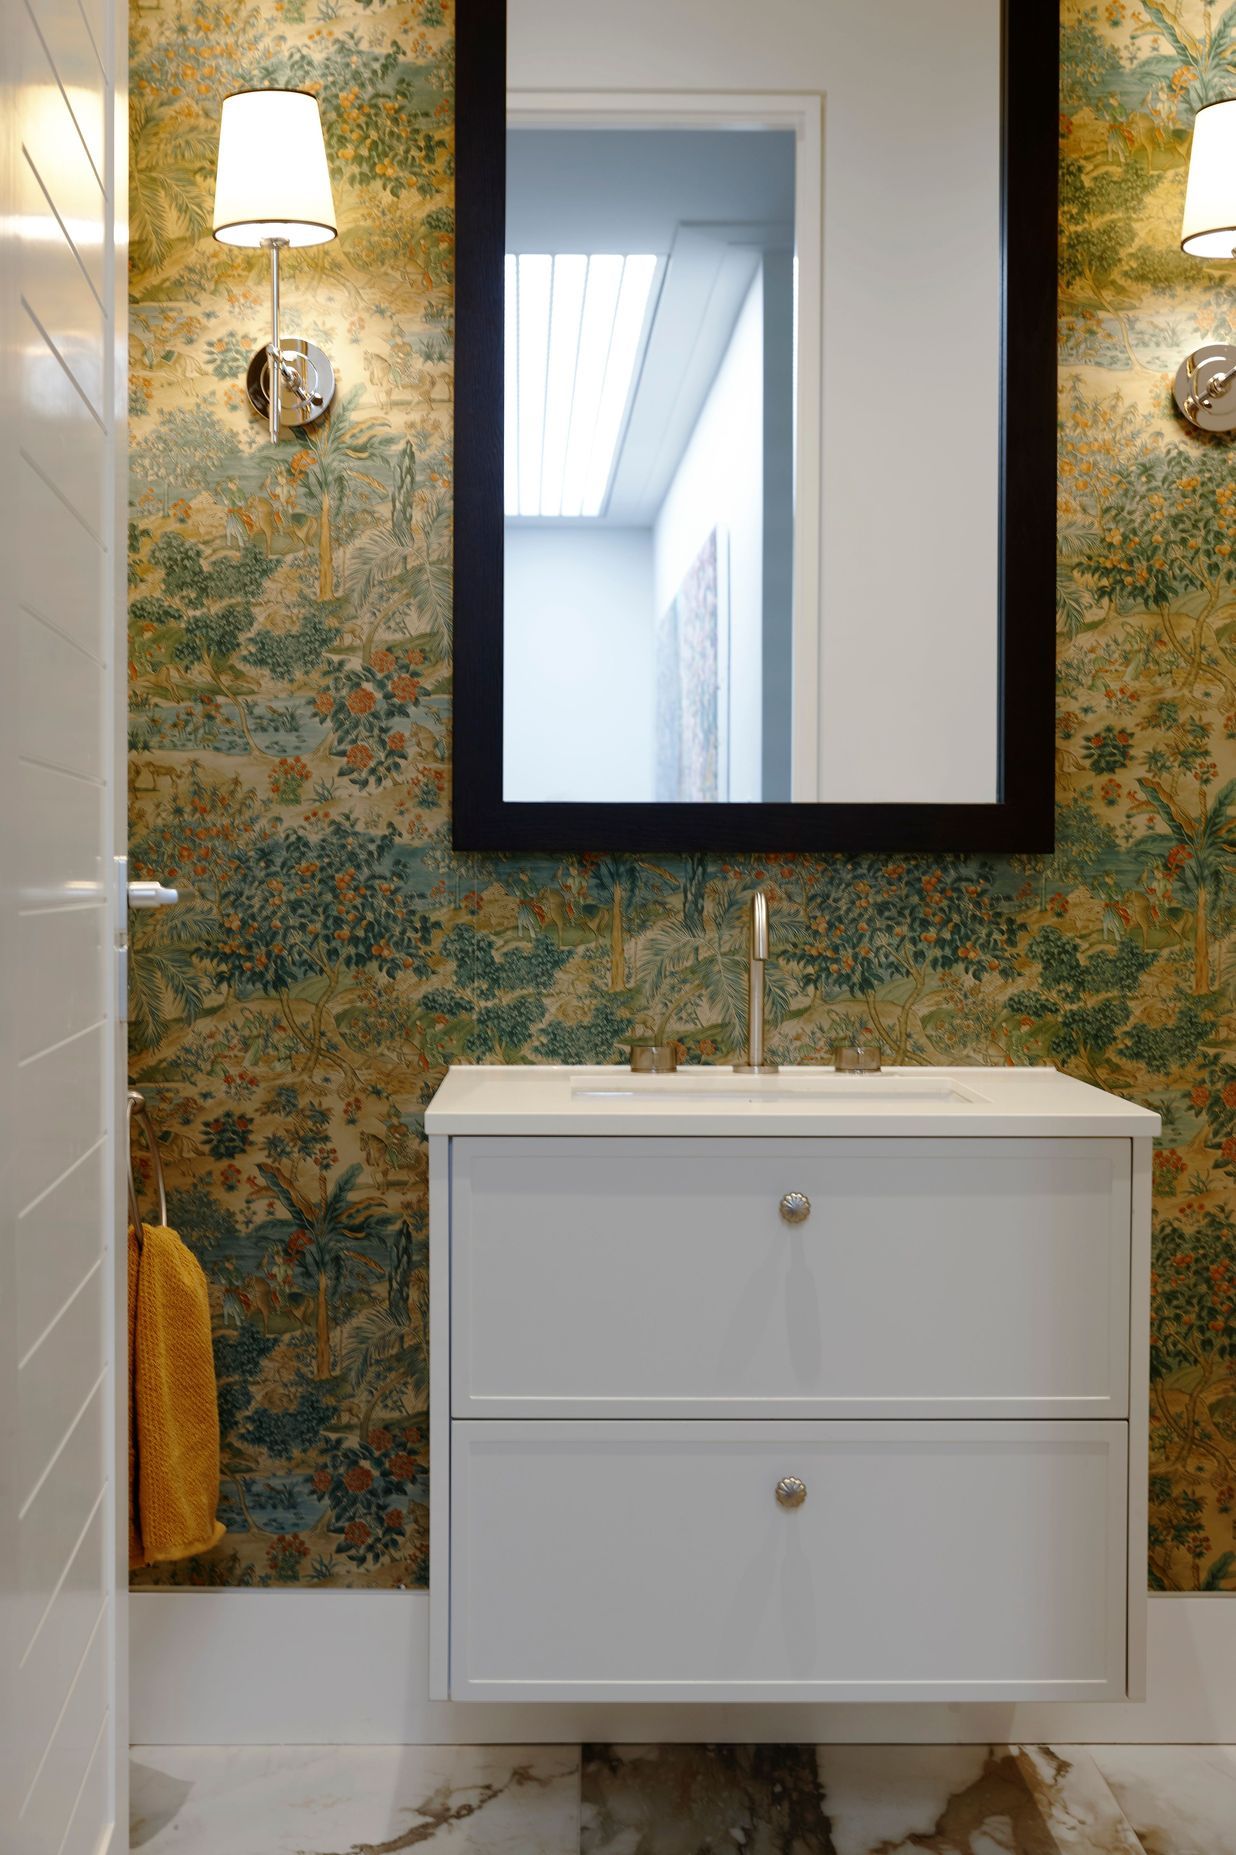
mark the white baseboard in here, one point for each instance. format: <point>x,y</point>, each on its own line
<point>349,1668</point>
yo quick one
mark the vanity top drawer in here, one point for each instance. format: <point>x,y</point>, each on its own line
<point>871,1277</point>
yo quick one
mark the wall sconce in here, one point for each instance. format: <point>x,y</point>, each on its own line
<point>1206,379</point>
<point>272,191</point>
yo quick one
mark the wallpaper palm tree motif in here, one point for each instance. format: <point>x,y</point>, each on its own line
<point>290,768</point>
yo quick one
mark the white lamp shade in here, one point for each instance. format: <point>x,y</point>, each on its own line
<point>1209,229</point>
<point>272,180</point>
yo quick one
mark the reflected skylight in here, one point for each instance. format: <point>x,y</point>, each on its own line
<point>573,333</point>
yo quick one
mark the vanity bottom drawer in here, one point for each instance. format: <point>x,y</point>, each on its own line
<point>662,1561</point>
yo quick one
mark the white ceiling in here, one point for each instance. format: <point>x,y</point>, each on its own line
<point>627,189</point>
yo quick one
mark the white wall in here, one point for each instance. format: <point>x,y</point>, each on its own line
<point>349,1668</point>
<point>720,482</point>
<point>578,702</point>
<point>910,278</point>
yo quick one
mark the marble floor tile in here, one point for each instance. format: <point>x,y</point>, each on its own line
<point>1181,1800</point>
<point>847,1800</point>
<point>686,1800</point>
<point>355,1800</point>
<point>946,1800</point>
<point>1075,1802</point>
<point>699,1799</point>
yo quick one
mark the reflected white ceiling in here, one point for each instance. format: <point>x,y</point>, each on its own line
<point>708,202</point>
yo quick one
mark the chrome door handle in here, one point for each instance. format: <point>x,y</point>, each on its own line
<point>150,895</point>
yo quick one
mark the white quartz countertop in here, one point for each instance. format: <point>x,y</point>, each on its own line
<point>552,1099</point>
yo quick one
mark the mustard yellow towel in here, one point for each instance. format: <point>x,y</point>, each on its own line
<point>136,1556</point>
<point>174,1425</point>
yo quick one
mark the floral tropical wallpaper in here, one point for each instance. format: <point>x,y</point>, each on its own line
<point>290,771</point>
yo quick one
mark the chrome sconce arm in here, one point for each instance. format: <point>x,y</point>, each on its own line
<point>1203,387</point>
<point>290,382</point>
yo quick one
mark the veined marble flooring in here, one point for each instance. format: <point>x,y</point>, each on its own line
<point>685,1800</point>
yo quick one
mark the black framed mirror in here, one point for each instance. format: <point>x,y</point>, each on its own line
<point>755,428</point>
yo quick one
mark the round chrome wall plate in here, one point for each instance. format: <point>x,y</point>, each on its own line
<point>1193,387</point>
<point>316,374</point>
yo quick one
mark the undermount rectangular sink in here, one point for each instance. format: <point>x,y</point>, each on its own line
<point>823,1085</point>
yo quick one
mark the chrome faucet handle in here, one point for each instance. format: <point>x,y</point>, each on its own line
<point>653,1059</point>
<point>857,1058</point>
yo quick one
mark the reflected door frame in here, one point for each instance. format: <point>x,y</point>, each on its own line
<point>802,117</point>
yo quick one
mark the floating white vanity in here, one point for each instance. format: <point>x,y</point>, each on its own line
<point>788,1387</point>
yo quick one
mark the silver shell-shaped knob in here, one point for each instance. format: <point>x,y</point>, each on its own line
<point>791,1492</point>
<point>795,1207</point>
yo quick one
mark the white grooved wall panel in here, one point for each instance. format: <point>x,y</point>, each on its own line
<point>63,185</point>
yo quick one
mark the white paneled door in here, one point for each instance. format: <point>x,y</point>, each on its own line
<point>62,495</point>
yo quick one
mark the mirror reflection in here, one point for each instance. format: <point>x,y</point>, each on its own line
<point>649,479</point>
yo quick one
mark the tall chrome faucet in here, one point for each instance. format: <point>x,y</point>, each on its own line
<point>755,988</point>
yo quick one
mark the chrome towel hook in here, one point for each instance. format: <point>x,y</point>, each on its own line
<point>138,1111</point>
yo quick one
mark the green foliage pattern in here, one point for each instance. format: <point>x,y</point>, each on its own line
<point>290,688</point>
